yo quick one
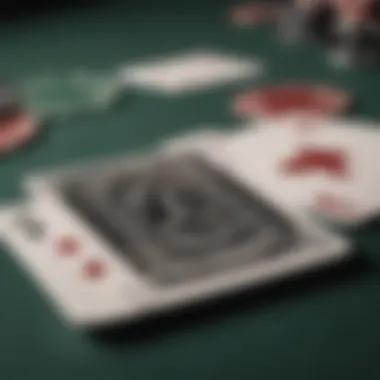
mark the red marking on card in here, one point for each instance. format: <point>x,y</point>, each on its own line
<point>94,269</point>
<point>330,161</point>
<point>335,206</point>
<point>68,246</point>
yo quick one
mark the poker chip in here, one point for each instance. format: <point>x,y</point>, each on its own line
<point>278,101</point>
<point>70,93</point>
<point>254,14</point>
<point>17,131</point>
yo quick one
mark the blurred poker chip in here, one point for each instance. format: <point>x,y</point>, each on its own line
<point>254,14</point>
<point>73,92</point>
<point>17,125</point>
<point>292,99</point>
<point>17,131</point>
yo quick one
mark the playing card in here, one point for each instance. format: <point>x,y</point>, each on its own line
<point>258,158</point>
<point>194,70</point>
<point>69,264</point>
<point>207,140</point>
<point>158,232</point>
<point>321,165</point>
<point>346,151</point>
<point>199,139</point>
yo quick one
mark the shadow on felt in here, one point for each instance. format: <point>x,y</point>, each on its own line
<point>209,313</point>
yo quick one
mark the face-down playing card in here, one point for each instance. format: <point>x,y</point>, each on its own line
<point>156,232</point>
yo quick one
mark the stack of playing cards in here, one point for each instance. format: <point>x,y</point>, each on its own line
<point>200,216</point>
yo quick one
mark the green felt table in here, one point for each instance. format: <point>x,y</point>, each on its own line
<point>325,328</point>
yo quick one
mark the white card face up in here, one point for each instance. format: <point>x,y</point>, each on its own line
<point>208,140</point>
<point>352,192</point>
<point>257,156</point>
<point>323,166</point>
<point>281,243</point>
<point>195,70</point>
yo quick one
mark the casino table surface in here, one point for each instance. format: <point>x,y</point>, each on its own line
<point>325,327</point>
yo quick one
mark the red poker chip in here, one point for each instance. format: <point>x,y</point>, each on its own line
<point>278,101</point>
<point>16,132</point>
<point>254,14</point>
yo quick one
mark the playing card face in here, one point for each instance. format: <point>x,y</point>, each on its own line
<point>259,158</point>
<point>347,153</point>
<point>195,70</point>
<point>84,282</point>
<point>326,166</point>
<point>167,230</point>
